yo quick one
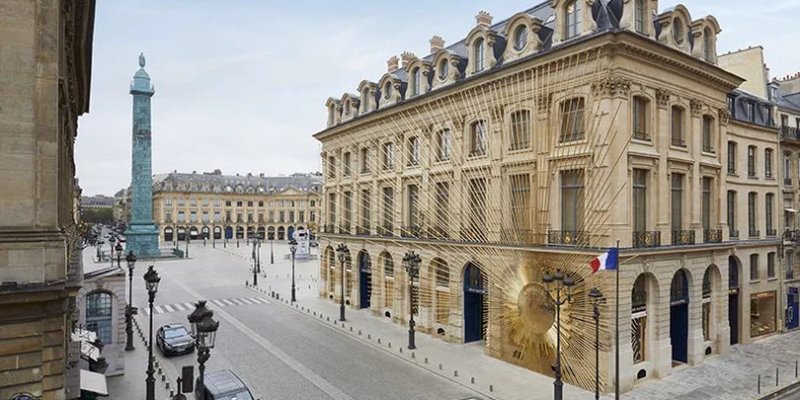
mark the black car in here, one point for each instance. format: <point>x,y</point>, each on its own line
<point>174,339</point>
<point>222,385</point>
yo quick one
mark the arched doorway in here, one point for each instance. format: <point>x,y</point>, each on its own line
<point>290,233</point>
<point>239,232</point>
<point>281,232</point>
<point>711,279</point>
<point>679,317</point>
<point>251,231</point>
<point>441,289</point>
<point>733,297</point>
<point>228,232</point>
<point>388,282</point>
<point>474,307</point>
<point>261,232</point>
<point>217,232</point>
<point>206,232</point>
<point>364,279</point>
<point>271,233</point>
<point>181,233</point>
<point>193,233</point>
<point>168,233</point>
<point>644,306</point>
<point>331,272</point>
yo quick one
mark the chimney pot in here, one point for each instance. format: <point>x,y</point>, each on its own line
<point>437,43</point>
<point>484,19</point>
<point>392,64</point>
<point>407,57</point>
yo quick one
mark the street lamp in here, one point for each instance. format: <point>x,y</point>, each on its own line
<point>411,261</point>
<point>151,280</point>
<point>293,249</point>
<point>596,297</point>
<point>344,253</point>
<point>204,331</point>
<point>129,310</point>
<point>118,248</point>
<point>111,241</point>
<point>556,284</point>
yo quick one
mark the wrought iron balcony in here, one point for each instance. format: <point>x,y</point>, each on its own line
<point>362,230</point>
<point>438,232</point>
<point>754,233</point>
<point>791,235</point>
<point>772,232</point>
<point>646,239</point>
<point>712,235</point>
<point>790,133</point>
<point>386,230</point>
<point>683,237</point>
<point>525,236</point>
<point>329,228</point>
<point>569,238</point>
<point>413,231</point>
<point>733,233</point>
<point>344,229</point>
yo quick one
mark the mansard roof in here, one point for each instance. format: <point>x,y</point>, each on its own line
<point>215,182</point>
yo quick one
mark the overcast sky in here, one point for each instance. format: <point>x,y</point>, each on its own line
<point>241,85</point>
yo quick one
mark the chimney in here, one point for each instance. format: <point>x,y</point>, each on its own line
<point>484,19</point>
<point>437,43</point>
<point>392,64</point>
<point>406,58</point>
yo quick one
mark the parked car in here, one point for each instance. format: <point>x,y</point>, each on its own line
<point>174,339</point>
<point>222,385</point>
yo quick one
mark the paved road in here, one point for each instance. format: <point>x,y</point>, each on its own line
<point>280,353</point>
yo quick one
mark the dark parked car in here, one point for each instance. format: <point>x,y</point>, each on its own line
<point>174,339</point>
<point>222,385</point>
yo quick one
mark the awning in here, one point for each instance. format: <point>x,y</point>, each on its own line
<point>94,382</point>
<point>791,210</point>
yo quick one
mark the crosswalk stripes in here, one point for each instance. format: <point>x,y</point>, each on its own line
<point>187,307</point>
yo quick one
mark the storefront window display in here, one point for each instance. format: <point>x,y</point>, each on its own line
<point>762,313</point>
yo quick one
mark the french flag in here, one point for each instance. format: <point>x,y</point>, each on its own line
<point>607,260</point>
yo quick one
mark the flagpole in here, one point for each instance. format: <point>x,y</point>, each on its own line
<point>616,328</point>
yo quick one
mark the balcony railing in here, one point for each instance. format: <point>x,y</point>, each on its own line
<point>792,235</point>
<point>790,133</point>
<point>712,235</point>
<point>329,228</point>
<point>772,232</point>
<point>386,230</point>
<point>569,238</point>
<point>733,233</point>
<point>525,236</point>
<point>344,229</point>
<point>754,233</point>
<point>438,232</point>
<point>362,230</point>
<point>682,237</point>
<point>646,239</point>
<point>414,231</point>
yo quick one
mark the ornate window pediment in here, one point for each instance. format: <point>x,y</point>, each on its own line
<point>522,36</point>
<point>334,111</point>
<point>392,88</point>
<point>484,46</point>
<point>573,19</point>
<point>350,106</point>
<point>448,68</point>
<point>704,32</point>
<point>369,96</point>
<point>673,28</point>
<point>419,77</point>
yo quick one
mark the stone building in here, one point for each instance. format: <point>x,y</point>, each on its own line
<point>538,142</point>
<point>101,309</point>
<point>45,73</point>
<point>227,207</point>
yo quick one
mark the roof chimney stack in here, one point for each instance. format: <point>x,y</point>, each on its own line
<point>437,43</point>
<point>406,58</point>
<point>392,63</point>
<point>484,19</point>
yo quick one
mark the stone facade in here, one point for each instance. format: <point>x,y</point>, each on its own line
<point>45,75</point>
<point>109,281</point>
<point>659,116</point>
<point>225,207</point>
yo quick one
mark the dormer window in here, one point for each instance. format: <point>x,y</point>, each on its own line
<point>677,31</point>
<point>520,37</point>
<point>638,16</point>
<point>478,53</point>
<point>572,20</point>
<point>387,90</point>
<point>347,107</point>
<point>443,69</point>
<point>708,54</point>
<point>416,84</point>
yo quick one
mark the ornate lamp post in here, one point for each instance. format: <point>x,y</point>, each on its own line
<point>204,330</point>
<point>118,248</point>
<point>293,249</point>
<point>151,280</point>
<point>596,297</point>
<point>344,253</point>
<point>411,261</point>
<point>130,311</point>
<point>187,245</point>
<point>556,285</point>
<point>213,236</point>
<point>111,241</point>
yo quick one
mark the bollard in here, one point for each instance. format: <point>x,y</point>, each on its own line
<point>440,366</point>
<point>455,372</point>
<point>413,355</point>
<point>777,374</point>
<point>426,360</point>
<point>351,329</point>
<point>491,388</point>
<point>390,345</point>
<point>401,350</point>
<point>369,336</point>
<point>795,369</point>
<point>472,380</point>
<point>359,332</point>
<point>167,385</point>
<point>759,385</point>
<point>379,340</point>
<point>171,394</point>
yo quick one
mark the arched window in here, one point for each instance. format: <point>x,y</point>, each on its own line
<point>416,77</point>
<point>638,16</point>
<point>708,48</point>
<point>677,31</point>
<point>520,37</point>
<point>478,53</point>
<point>443,69</point>
<point>442,289</point>
<point>388,280</point>
<point>98,315</point>
<point>387,90</point>
<point>572,20</point>
<point>639,319</point>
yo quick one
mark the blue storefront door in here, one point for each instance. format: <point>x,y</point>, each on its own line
<point>792,321</point>
<point>679,331</point>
